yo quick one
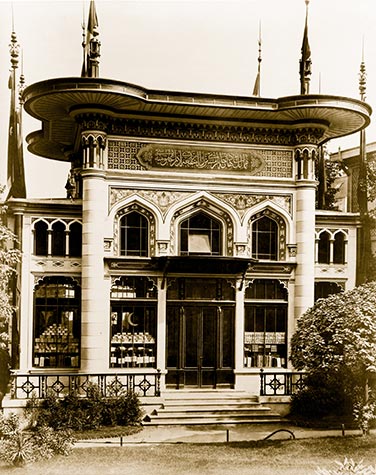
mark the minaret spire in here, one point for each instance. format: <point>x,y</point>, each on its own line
<point>91,45</point>
<point>257,86</point>
<point>16,172</point>
<point>365,251</point>
<point>305,61</point>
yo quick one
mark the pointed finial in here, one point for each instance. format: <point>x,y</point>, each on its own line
<point>21,84</point>
<point>91,44</point>
<point>362,76</point>
<point>259,43</point>
<point>320,83</point>
<point>257,85</point>
<point>14,49</point>
<point>305,61</point>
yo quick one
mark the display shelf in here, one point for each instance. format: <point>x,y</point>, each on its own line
<point>56,347</point>
<point>264,355</point>
<point>132,350</point>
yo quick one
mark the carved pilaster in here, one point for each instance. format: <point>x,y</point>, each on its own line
<point>93,146</point>
<point>305,162</point>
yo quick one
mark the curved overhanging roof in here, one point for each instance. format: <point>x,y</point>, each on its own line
<point>56,102</point>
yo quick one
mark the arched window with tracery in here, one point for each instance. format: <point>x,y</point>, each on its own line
<point>134,235</point>
<point>265,239</point>
<point>201,234</point>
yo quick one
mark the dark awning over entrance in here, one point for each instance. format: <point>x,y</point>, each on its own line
<point>204,265</point>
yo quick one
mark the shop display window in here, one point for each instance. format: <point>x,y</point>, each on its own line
<point>265,332</point>
<point>133,323</point>
<point>57,322</point>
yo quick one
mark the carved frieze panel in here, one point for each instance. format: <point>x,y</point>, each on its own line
<point>162,199</point>
<point>244,201</point>
<point>122,155</point>
<point>129,155</point>
<point>165,199</point>
<point>215,132</point>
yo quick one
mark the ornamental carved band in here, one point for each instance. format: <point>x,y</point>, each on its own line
<point>127,155</point>
<point>202,158</point>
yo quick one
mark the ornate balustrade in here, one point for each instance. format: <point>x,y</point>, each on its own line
<point>25,386</point>
<point>281,383</point>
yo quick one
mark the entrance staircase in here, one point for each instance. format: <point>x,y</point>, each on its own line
<point>185,407</point>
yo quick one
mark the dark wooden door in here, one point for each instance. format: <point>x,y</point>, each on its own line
<point>199,345</point>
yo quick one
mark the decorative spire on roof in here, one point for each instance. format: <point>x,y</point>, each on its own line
<point>365,245</point>
<point>257,86</point>
<point>16,172</point>
<point>305,61</point>
<point>91,45</point>
<point>362,77</point>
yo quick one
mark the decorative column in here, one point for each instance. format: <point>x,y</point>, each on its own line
<point>305,228</point>
<point>161,331</point>
<point>95,298</point>
<point>239,328</point>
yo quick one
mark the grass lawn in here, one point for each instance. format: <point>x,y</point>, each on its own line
<point>293,457</point>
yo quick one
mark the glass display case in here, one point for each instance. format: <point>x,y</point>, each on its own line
<point>133,323</point>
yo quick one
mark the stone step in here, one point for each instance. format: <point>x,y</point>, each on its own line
<point>212,420</point>
<point>208,394</point>
<point>210,407</point>
<point>162,414</point>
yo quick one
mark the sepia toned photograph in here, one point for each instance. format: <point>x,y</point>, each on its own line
<point>187,237</point>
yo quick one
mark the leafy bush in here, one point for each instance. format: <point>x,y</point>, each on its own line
<point>323,396</point>
<point>338,336</point>
<point>79,413</point>
<point>348,467</point>
<point>19,447</point>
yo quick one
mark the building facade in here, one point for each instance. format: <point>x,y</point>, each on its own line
<point>188,244</point>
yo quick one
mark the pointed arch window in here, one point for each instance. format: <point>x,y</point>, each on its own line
<point>324,248</point>
<point>41,238</point>
<point>75,239</point>
<point>339,248</point>
<point>200,234</point>
<point>265,239</point>
<point>58,239</point>
<point>134,235</point>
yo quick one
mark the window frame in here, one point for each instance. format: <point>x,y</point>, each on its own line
<point>214,234</point>
<point>144,242</point>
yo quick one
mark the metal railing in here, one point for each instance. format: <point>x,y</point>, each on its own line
<point>281,383</point>
<point>26,386</point>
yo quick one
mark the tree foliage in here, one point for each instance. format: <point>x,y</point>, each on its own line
<point>336,338</point>
<point>338,333</point>
<point>9,257</point>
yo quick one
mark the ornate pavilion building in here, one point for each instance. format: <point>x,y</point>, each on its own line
<point>188,244</point>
